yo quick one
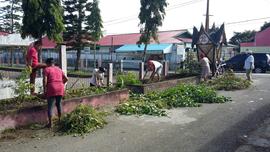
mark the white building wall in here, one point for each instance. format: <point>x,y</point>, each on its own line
<point>256,49</point>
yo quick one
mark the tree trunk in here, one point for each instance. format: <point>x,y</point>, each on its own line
<point>95,52</point>
<point>78,60</point>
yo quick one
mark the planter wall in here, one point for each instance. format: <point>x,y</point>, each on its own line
<point>38,114</point>
<point>160,86</point>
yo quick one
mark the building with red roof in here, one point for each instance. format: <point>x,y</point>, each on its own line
<point>172,45</point>
<point>261,43</point>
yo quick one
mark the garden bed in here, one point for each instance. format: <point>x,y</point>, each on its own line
<point>169,82</point>
<point>37,112</point>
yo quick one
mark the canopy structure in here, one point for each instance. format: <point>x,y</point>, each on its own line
<point>14,40</point>
<point>151,48</point>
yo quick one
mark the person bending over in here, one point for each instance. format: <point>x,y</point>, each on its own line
<point>54,81</point>
<point>97,78</point>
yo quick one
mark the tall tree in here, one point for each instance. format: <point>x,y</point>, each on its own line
<point>10,18</point>
<point>42,17</point>
<point>152,13</point>
<point>94,25</point>
<point>75,17</point>
<point>240,37</point>
<point>265,26</point>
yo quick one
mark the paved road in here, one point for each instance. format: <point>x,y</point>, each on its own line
<point>210,128</point>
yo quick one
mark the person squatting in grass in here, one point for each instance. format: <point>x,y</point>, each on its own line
<point>97,78</point>
<point>33,63</point>
<point>54,81</point>
<point>156,67</point>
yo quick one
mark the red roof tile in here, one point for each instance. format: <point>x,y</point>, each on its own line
<point>122,39</point>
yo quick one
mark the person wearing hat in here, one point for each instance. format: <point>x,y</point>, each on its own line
<point>249,65</point>
<point>54,81</point>
<point>97,78</point>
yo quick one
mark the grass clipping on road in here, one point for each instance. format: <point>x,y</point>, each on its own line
<point>184,95</point>
<point>229,81</point>
<point>83,119</point>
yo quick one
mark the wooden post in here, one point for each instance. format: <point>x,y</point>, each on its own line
<point>110,74</point>
<point>63,59</point>
<point>141,72</point>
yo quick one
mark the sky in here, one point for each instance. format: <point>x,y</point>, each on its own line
<point>121,16</point>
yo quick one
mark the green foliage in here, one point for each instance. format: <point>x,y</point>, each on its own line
<point>126,78</point>
<point>22,91</point>
<point>42,17</point>
<point>79,73</point>
<point>84,119</point>
<point>10,15</point>
<point>142,104</point>
<point>82,22</point>
<point>191,68</point>
<point>94,21</point>
<point>239,37</point>
<point>151,16</point>
<point>228,81</point>
<point>85,91</point>
<point>265,26</point>
<point>23,87</point>
<point>180,96</point>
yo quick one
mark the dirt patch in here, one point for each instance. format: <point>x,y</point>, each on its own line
<point>34,131</point>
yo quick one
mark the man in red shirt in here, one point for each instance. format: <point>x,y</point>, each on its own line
<point>32,62</point>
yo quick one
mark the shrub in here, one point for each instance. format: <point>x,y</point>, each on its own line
<point>228,81</point>
<point>180,96</point>
<point>22,87</point>
<point>128,78</point>
<point>83,119</point>
<point>85,91</point>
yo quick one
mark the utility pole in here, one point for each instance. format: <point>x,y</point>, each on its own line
<point>207,17</point>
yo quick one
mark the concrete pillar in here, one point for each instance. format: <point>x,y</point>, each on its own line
<point>99,61</point>
<point>165,69</point>
<point>110,74</point>
<point>121,66</point>
<point>63,58</point>
<point>141,72</point>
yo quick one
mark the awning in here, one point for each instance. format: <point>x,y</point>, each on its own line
<point>151,48</point>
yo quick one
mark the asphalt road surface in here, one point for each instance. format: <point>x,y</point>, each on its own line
<point>210,128</point>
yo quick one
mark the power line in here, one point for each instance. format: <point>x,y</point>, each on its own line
<point>133,17</point>
<point>244,21</point>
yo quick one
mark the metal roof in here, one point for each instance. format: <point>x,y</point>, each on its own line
<point>151,48</point>
<point>14,40</point>
<point>132,38</point>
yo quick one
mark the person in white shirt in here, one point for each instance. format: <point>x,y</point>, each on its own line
<point>205,65</point>
<point>268,59</point>
<point>249,65</point>
<point>97,78</point>
<point>156,67</point>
